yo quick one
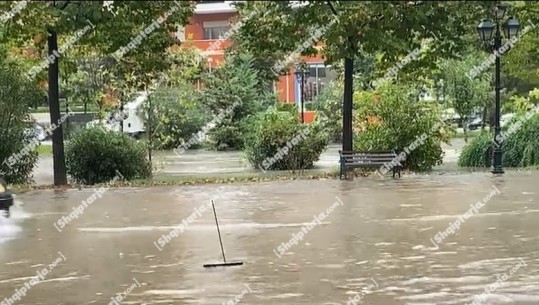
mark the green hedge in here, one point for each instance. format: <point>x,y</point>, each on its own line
<point>520,146</point>
<point>95,156</point>
<point>478,153</point>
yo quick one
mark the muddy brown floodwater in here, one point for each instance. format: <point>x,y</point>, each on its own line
<point>148,245</point>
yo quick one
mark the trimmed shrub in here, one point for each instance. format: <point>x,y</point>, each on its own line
<point>387,119</point>
<point>96,156</point>
<point>278,141</point>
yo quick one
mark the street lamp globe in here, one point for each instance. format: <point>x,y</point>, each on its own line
<point>485,29</point>
<point>510,28</point>
<point>500,12</point>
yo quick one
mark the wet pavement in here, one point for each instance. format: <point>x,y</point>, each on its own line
<point>213,163</point>
<point>382,245</point>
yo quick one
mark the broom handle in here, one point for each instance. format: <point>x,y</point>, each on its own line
<point>218,231</point>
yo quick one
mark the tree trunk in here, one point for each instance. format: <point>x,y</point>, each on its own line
<point>463,120</point>
<point>58,157</point>
<point>348,104</point>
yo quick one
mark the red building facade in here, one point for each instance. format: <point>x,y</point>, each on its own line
<point>212,20</point>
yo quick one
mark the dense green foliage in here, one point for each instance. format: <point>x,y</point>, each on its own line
<point>466,93</point>
<point>111,27</point>
<point>178,115</point>
<point>520,146</point>
<point>281,136</point>
<point>329,104</point>
<point>95,156</point>
<point>389,119</point>
<point>18,156</point>
<point>387,30</point>
<point>377,34</point>
<point>234,90</point>
<point>478,153</point>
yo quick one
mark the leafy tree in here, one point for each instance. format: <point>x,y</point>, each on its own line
<point>234,87</point>
<point>522,61</point>
<point>465,93</point>
<point>186,65</point>
<point>86,83</point>
<point>114,26</point>
<point>178,115</point>
<point>328,103</point>
<point>390,119</point>
<point>18,156</point>
<point>387,30</point>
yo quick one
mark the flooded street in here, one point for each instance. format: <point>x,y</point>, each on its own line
<point>384,242</point>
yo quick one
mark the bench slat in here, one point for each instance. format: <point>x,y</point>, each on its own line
<point>366,152</point>
<point>368,161</point>
<point>359,165</point>
<point>358,159</point>
<point>367,157</point>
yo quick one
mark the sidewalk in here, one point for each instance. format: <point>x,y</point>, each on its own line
<point>212,163</point>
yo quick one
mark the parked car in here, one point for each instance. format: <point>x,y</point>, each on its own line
<point>449,116</point>
<point>475,123</point>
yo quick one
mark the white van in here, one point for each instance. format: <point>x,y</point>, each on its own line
<point>133,122</point>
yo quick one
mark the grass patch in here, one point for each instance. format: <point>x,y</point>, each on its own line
<point>44,149</point>
<point>196,180</point>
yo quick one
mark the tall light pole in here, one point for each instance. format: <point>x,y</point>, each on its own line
<point>486,29</point>
<point>301,75</point>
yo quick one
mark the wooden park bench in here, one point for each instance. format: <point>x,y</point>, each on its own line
<point>366,159</point>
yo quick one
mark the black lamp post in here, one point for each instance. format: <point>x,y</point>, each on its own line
<point>486,29</point>
<point>301,75</point>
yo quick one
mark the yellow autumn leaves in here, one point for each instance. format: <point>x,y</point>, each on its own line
<point>361,123</point>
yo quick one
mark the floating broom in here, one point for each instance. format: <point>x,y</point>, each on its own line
<point>224,263</point>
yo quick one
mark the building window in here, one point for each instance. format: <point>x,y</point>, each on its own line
<point>215,32</point>
<point>319,78</point>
